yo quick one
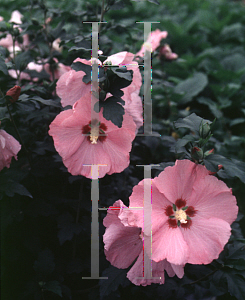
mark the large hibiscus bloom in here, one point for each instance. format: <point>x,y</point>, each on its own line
<point>9,147</point>
<point>123,244</point>
<point>81,141</point>
<point>191,214</point>
<point>70,87</point>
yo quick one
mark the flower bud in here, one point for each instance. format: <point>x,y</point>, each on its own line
<point>165,51</point>
<point>14,93</point>
<point>208,152</point>
<point>196,153</point>
<point>204,130</point>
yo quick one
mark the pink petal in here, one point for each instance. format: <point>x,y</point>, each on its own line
<point>113,213</point>
<point>206,239</point>
<point>212,198</point>
<point>137,271</point>
<point>134,108</point>
<point>118,239</point>
<point>88,154</point>
<point>176,182</point>
<point>156,37</point>
<point>159,202</point>
<point>178,270</point>
<point>168,243</point>
<point>67,133</point>
<point>70,87</point>
<point>121,58</point>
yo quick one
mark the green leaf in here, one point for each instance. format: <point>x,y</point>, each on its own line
<point>232,280</point>
<point>3,66</point>
<point>237,121</point>
<point>154,1</point>
<point>78,66</point>
<point>53,286</point>
<point>49,102</point>
<point>3,111</point>
<point>22,60</point>
<point>232,167</point>
<point>211,105</point>
<point>234,62</point>
<point>233,31</point>
<point>67,227</point>
<point>45,262</point>
<point>11,187</point>
<point>192,86</point>
<point>112,110</point>
<point>184,141</point>
<point>116,277</point>
<point>56,32</point>
<point>192,122</point>
<point>124,73</point>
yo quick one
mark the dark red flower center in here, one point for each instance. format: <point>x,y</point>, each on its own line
<point>179,214</point>
<point>95,131</point>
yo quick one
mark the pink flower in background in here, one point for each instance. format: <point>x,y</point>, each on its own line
<point>191,214</point>
<point>167,52</point>
<point>9,147</point>
<point>123,244</point>
<point>59,70</point>
<point>7,42</point>
<point>70,86</point>
<point>79,141</point>
<point>156,37</point>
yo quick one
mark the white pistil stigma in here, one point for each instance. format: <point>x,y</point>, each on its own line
<point>94,135</point>
<point>181,216</point>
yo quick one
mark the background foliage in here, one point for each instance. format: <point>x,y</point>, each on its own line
<point>45,211</point>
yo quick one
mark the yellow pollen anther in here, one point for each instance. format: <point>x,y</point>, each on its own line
<point>94,135</point>
<point>181,216</point>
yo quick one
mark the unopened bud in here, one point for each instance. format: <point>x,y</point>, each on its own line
<point>14,93</point>
<point>16,32</point>
<point>204,130</point>
<point>196,153</point>
<point>209,152</point>
<point>167,52</point>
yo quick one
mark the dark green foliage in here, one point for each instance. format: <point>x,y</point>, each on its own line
<point>46,212</point>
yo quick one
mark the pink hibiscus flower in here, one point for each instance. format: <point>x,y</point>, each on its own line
<point>9,147</point>
<point>81,142</point>
<point>156,37</point>
<point>70,86</point>
<point>7,42</point>
<point>191,214</point>
<point>123,244</point>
